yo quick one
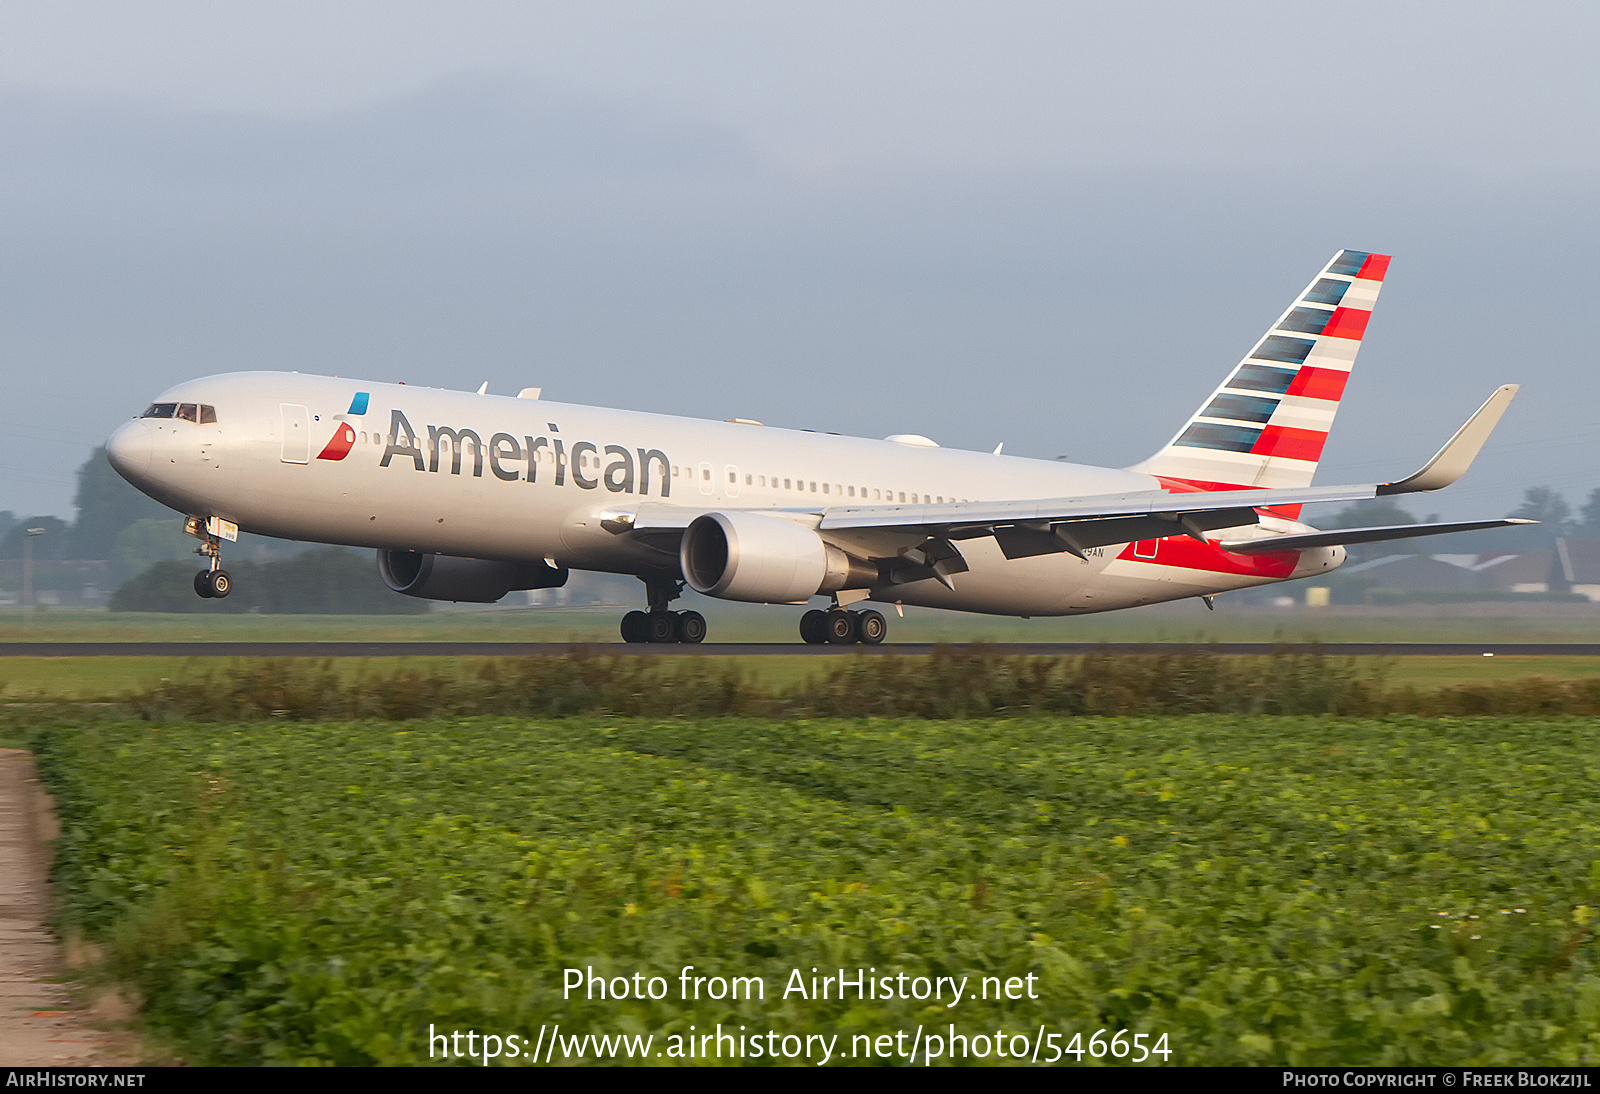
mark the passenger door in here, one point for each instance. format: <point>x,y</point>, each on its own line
<point>296,433</point>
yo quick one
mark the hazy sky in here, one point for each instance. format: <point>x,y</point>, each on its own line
<point>1052,225</point>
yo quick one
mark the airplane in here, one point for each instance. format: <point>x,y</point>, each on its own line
<point>468,496</point>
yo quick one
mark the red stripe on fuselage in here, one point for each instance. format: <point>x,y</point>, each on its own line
<point>1318,383</point>
<point>1186,554</point>
<point>1200,486</point>
<point>1194,486</point>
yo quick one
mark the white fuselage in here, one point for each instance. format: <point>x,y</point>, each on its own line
<point>518,479</point>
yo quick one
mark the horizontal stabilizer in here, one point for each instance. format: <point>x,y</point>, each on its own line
<point>1452,461</point>
<point>1340,536</point>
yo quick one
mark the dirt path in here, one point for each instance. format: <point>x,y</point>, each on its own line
<point>38,1023</point>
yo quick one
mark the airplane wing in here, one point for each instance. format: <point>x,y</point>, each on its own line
<point>1343,536</point>
<point>1075,524</point>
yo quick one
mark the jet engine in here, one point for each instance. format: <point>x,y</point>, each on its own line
<point>475,580</point>
<point>766,560</point>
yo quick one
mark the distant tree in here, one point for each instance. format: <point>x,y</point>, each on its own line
<point>1590,515</point>
<point>8,520</point>
<point>107,504</point>
<point>145,542</point>
<point>1369,514</point>
<point>1545,505</point>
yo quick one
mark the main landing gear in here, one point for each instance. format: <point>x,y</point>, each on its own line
<point>664,626</point>
<point>659,624</point>
<point>842,628</point>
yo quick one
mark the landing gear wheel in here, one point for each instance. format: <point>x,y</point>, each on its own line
<point>872,627</point>
<point>691,628</point>
<point>202,584</point>
<point>663,626</point>
<point>841,627</point>
<point>636,627</point>
<point>218,583</point>
<point>814,627</point>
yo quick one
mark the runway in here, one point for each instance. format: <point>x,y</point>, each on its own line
<point>777,649</point>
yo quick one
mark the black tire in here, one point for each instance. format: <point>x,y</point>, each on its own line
<point>841,627</point>
<point>636,627</point>
<point>663,626</point>
<point>814,627</point>
<point>872,627</point>
<point>691,628</point>
<point>219,583</point>
<point>202,584</point>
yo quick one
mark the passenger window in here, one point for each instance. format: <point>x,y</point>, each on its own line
<point>902,495</point>
<point>208,415</point>
<point>786,484</point>
<point>706,474</point>
<point>824,488</point>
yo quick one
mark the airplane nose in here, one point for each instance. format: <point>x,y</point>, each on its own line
<point>128,450</point>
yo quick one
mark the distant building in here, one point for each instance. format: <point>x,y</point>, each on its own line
<point>1417,573</point>
<point>1521,572</point>
<point>1580,565</point>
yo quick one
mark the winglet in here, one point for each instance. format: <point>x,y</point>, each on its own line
<point>1452,461</point>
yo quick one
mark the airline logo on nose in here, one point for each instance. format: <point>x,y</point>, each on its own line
<point>344,437</point>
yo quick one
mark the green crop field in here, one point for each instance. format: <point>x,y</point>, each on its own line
<point>1257,889</point>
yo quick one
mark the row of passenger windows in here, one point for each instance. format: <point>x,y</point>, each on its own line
<point>804,486</point>
<point>199,413</point>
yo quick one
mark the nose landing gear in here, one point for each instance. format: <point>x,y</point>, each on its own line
<point>842,628</point>
<point>213,582</point>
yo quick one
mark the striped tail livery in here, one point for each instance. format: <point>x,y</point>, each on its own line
<point>1265,426</point>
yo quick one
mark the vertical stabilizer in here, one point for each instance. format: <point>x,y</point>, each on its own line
<point>1266,425</point>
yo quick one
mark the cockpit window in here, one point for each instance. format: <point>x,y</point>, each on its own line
<point>199,413</point>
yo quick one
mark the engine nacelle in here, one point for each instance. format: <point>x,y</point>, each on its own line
<point>766,560</point>
<point>475,580</point>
